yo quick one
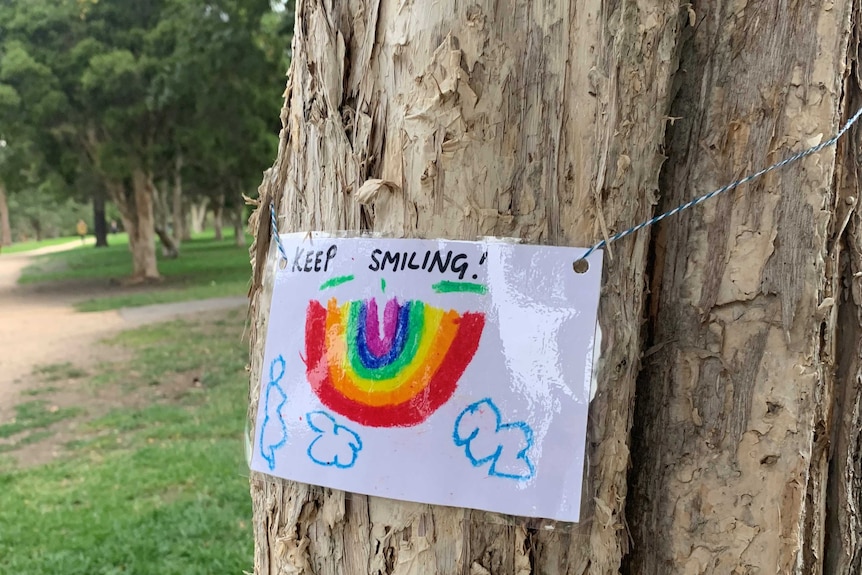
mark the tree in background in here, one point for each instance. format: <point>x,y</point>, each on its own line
<point>146,102</point>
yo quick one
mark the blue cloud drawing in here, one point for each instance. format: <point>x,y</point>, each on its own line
<point>273,433</point>
<point>480,430</point>
<point>335,444</point>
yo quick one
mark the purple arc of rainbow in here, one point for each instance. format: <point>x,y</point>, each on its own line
<point>394,379</point>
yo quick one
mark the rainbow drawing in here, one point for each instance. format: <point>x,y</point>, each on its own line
<point>394,379</point>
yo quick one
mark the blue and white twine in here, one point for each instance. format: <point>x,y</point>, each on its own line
<point>275,231</point>
<point>699,200</point>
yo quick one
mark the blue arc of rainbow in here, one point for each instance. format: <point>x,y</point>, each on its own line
<point>395,380</point>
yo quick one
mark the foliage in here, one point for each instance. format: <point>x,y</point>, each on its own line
<point>182,90</point>
<point>158,489</point>
<point>39,213</point>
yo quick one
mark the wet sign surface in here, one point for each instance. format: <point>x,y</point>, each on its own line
<point>451,373</point>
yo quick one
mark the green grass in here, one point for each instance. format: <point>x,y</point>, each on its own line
<point>160,489</point>
<point>34,245</point>
<point>35,414</point>
<point>206,268</point>
<point>57,371</point>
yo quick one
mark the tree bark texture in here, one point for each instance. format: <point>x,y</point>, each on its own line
<point>739,320</point>
<point>134,199</point>
<point>5,227</point>
<point>542,122</point>
<point>735,402</point>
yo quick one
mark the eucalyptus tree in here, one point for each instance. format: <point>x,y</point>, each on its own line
<point>724,436</point>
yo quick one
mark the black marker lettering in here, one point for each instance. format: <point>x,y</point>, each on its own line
<point>297,267</point>
<point>425,262</point>
<point>309,258</point>
<point>318,259</point>
<point>441,265</point>
<point>410,264</point>
<point>330,253</point>
<point>388,257</point>
<point>459,269</point>
<point>375,263</point>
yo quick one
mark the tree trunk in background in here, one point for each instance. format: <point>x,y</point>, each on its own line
<point>198,215</point>
<point>5,228</point>
<point>135,202</point>
<point>540,121</point>
<point>100,226</point>
<point>178,216</point>
<point>163,219</point>
<point>239,224</point>
<point>218,217</point>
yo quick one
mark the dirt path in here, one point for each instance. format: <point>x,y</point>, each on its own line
<point>43,328</point>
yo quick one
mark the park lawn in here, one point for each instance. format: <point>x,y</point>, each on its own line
<point>157,489</point>
<point>34,245</point>
<point>206,268</point>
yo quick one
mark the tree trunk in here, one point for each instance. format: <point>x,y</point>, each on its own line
<point>543,122</point>
<point>198,215</point>
<point>177,202</point>
<point>239,225</point>
<point>5,228</point>
<point>218,217</point>
<point>162,220</point>
<point>734,414</point>
<point>100,226</point>
<point>134,200</point>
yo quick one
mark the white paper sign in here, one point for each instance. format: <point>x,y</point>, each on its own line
<point>442,372</point>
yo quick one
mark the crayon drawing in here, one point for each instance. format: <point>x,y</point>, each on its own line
<point>480,430</point>
<point>273,434</point>
<point>335,444</point>
<point>395,377</point>
<point>441,372</point>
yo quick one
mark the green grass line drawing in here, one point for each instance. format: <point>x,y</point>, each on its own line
<point>452,287</point>
<point>383,285</point>
<point>336,281</point>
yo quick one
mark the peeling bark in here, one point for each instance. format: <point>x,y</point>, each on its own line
<point>731,436</point>
<point>843,525</point>
<point>542,122</point>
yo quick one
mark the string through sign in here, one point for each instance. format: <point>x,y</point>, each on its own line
<point>580,265</point>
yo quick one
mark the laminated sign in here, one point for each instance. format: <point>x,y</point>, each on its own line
<point>442,372</point>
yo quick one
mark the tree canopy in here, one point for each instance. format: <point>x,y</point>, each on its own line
<point>137,96</point>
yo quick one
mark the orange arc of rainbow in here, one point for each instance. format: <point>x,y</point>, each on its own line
<point>439,331</point>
